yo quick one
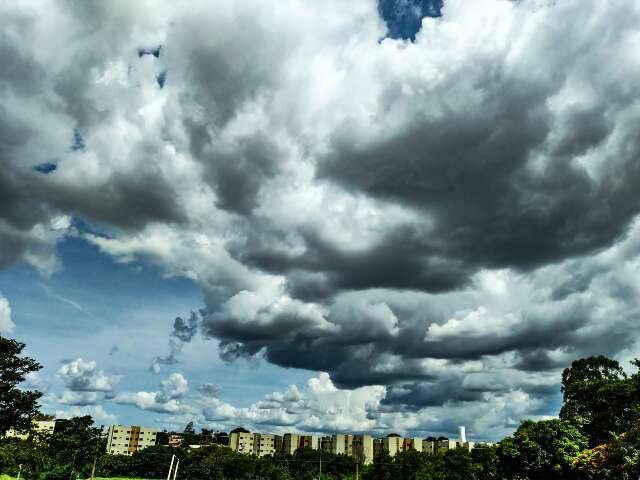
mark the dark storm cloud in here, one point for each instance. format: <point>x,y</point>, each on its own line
<point>393,213</point>
<point>405,258</point>
<point>471,172</point>
<point>237,173</point>
<point>430,394</point>
<point>124,199</point>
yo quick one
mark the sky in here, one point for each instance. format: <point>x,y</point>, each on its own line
<point>325,217</point>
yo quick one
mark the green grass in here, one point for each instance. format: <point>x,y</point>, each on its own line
<point>7,477</point>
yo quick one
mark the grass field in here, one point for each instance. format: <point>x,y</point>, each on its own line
<point>7,477</point>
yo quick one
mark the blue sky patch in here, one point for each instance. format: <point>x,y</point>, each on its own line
<point>150,51</point>
<point>161,78</point>
<point>46,167</point>
<point>77,142</point>
<point>404,17</point>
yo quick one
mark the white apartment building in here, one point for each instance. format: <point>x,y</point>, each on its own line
<point>127,439</point>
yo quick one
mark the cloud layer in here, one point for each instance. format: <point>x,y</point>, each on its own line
<point>447,221</point>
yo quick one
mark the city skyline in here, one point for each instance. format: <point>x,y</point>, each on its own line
<point>370,216</point>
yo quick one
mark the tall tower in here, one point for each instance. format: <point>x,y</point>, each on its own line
<point>462,434</point>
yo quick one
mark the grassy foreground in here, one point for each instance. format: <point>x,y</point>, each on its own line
<point>7,477</point>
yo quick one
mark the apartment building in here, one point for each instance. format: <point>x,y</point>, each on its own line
<point>37,427</point>
<point>378,447</point>
<point>362,448</point>
<point>127,439</point>
<point>309,441</point>
<point>266,444</point>
<point>290,442</point>
<point>242,442</point>
<point>429,445</point>
<point>412,444</point>
<point>338,444</point>
<point>392,444</point>
<point>44,426</point>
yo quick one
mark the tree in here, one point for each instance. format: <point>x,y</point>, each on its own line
<point>542,450</point>
<point>600,399</point>
<point>73,446</point>
<point>17,407</point>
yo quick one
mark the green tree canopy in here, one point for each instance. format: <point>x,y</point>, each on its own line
<point>542,450</point>
<point>600,399</point>
<point>17,406</point>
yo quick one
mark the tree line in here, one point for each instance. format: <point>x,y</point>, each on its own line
<point>597,436</point>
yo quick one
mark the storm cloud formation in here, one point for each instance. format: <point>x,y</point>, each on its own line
<point>453,218</point>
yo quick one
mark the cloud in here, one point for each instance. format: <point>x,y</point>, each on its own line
<point>6,323</point>
<point>78,398</point>
<point>98,413</point>
<point>167,400</point>
<point>183,332</point>
<point>450,220</point>
<point>84,376</point>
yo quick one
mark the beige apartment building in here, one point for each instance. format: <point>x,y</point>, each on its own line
<point>412,444</point>
<point>392,444</point>
<point>338,444</point>
<point>265,444</point>
<point>429,445</point>
<point>290,442</point>
<point>362,448</point>
<point>309,441</point>
<point>44,426</point>
<point>127,439</point>
<point>293,441</point>
<point>38,427</point>
<point>242,442</point>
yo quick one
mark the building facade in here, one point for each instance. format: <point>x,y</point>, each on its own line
<point>127,439</point>
<point>290,443</point>
<point>362,448</point>
<point>38,427</point>
<point>242,442</point>
<point>392,444</point>
<point>266,444</point>
<point>429,445</point>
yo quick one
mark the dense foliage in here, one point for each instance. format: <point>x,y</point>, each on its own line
<point>17,406</point>
<point>597,437</point>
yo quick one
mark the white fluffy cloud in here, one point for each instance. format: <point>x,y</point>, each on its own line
<point>98,413</point>
<point>167,400</point>
<point>6,323</point>
<point>84,376</point>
